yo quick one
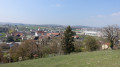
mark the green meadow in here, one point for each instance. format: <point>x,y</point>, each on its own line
<point>108,58</point>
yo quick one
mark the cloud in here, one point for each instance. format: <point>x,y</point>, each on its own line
<point>58,5</point>
<point>112,15</point>
<point>116,14</point>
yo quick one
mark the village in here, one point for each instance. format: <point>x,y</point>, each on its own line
<point>11,35</point>
<point>18,35</point>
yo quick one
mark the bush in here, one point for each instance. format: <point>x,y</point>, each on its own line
<point>79,47</point>
<point>13,53</point>
<point>1,55</point>
<point>91,43</point>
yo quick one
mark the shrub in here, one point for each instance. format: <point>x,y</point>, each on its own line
<point>91,43</point>
<point>79,47</point>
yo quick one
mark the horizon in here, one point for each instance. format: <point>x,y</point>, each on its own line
<point>61,12</point>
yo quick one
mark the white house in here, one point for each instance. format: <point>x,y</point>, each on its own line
<point>40,33</point>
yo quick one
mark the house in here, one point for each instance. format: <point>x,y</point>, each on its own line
<point>79,32</point>
<point>32,33</point>
<point>106,46</point>
<point>76,37</point>
<point>11,44</point>
<point>53,34</point>
<point>18,34</point>
<point>40,33</point>
<point>27,37</point>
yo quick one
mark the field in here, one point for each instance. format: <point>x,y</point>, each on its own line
<point>109,58</point>
<point>2,34</point>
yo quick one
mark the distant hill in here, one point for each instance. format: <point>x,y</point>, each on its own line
<point>80,26</point>
<point>46,25</point>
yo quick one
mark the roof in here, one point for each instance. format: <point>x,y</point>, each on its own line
<point>41,32</point>
<point>18,33</point>
<point>54,34</point>
<point>107,43</point>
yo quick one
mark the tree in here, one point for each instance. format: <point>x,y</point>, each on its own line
<point>13,53</point>
<point>112,33</point>
<point>11,30</point>
<point>27,49</point>
<point>1,55</point>
<point>55,45</point>
<point>91,43</point>
<point>10,39</point>
<point>79,46</point>
<point>68,39</point>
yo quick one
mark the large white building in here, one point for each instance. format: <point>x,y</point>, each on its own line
<point>90,33</point>
<point>93,33</point>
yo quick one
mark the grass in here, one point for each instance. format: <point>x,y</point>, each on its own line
<point>109,58</point>
<point>2,34</point>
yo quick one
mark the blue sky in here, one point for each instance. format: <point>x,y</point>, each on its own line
<point>97,13</point>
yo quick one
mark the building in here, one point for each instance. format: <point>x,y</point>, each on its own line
<point>40,33</point>
<point>93,33</point>
<point>53,34</point>
<point>3,29</point>
<point>106,46</point>
<point>90,33</point>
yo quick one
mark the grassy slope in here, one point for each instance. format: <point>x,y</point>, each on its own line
<point>86,59</point>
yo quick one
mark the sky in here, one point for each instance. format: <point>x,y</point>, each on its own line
<point>97,13</point>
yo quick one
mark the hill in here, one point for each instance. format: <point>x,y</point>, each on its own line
<point>45,25</point>
<point>86,59</point>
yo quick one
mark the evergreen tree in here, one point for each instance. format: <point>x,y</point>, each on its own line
<point>68,40</point>
<point>10,39</point>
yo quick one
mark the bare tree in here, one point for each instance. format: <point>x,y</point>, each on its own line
<point>27,49</point>
<point>112,33</point>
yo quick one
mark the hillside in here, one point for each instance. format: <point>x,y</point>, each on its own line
<point>85,59</point>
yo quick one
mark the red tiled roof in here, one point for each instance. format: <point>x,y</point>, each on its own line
<point>41,32</point>
<point>18,33</point>
<point>54,34</point>
<point>107,43</point>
